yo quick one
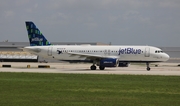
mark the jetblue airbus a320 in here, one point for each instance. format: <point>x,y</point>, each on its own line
<point>102,56</point>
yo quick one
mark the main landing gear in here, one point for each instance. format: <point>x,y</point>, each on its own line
<point>93,67</point>
<point>101,67</point>
<point>148,68</point>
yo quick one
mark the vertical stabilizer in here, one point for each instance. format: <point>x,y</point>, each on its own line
<point>36,38</point>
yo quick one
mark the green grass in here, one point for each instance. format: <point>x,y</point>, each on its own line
<point>37,89</point>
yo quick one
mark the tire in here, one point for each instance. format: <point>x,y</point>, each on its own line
<point>101,67</point>
<point>148,68</point>
<point>93,67</point>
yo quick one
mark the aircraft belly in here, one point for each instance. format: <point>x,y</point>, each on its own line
<point>135,58</point>
<point>131,57</point>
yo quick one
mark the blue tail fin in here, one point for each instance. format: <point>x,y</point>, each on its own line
<point>36,38</point>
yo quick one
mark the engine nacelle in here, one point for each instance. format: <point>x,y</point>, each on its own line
<point>109,62</point>
<point>123,64</point>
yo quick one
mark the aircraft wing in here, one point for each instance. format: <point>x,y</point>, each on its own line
<point>91,56</point>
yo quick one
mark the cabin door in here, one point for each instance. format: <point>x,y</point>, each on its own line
<point>49,51</point>
<point>147,52</point>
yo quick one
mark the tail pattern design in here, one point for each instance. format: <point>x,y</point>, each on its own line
<point>36,38</point>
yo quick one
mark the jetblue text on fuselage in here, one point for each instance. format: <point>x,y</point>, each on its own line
<point>129,51</point>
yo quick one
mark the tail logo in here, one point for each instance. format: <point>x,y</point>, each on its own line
<point>36,38</point>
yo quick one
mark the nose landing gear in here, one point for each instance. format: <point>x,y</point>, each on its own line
<point>148,68</point>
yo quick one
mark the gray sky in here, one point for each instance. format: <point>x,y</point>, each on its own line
<point>122,22</point>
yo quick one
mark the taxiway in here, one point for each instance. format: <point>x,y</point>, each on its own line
<point>133,69</point>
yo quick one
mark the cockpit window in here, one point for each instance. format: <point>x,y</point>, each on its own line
<point>159,51</point>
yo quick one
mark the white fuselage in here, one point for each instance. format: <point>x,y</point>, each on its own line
<point>88,52</point>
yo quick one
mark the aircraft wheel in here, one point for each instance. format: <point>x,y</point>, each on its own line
<point>93,67</point>
<point>101,67</point>
<point>148,68</point>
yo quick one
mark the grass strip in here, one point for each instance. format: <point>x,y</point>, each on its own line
<point>35,89</point>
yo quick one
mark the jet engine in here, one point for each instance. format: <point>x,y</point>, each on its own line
<point>109,62</point>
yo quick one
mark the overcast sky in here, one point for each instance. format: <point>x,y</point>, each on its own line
<point>121,22</point>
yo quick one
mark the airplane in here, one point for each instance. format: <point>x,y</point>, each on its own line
<point>102,56</point>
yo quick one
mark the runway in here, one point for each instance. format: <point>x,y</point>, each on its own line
<point>133,69</point>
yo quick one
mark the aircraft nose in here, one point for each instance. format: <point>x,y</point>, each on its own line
<point>166,57</point>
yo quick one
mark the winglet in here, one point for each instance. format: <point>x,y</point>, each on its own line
<point>36,38</point>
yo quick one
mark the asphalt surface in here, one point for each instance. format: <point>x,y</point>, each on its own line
<point>133,69</point>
